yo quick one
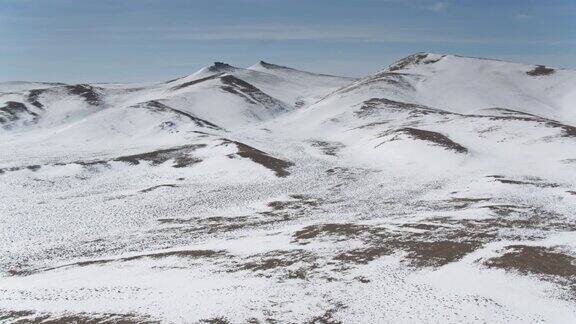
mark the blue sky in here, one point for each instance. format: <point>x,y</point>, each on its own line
<point>140,40</point>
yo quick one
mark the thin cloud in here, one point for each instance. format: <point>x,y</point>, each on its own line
<point>522,16</point>
<point>439,6</point>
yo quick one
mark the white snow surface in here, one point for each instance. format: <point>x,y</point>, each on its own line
<point>441,189</point>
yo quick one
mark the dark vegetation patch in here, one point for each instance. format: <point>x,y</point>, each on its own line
<point>423,249</point>
<point>536,260</point>
<point>278,166</point>
<point>440,240</point>
<point>221,67</point>
<point>216,320</point>
<point>298,202</point>
<point>510,114</point>
<point>422,226</point>
<point>280,211</point>
<point>540,70</point>
<point>328,148</point>
<point>429,136</point>
<point>158,106</point>
<point>158,186</point>
<point>250,93</point>
<point>213,225</point>
<point>414,59</point>
<point>506,112</point>
<point>180,154</point>
<point>509,222</point>
<point>88,163</point>
<point>296,207</point>
<point>34,167</point>
<point>457,203</point>
<point>567,130</point>
<point>13,110</point>
<point>328,317</point>
<point>535,182</point>
<point>190,254</point>
<point>34,97</point>
<point>89,93</point>
<point>193,82</point>
<point>184,254</point>
<point>22,317</point>
<point>568,161</point>
<point>467,200</point>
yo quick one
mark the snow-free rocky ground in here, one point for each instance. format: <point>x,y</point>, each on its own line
<point>440,189</point>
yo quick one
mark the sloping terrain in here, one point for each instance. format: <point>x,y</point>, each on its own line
<point>440,189</point>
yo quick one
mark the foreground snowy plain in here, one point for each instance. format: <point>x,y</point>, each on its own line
<point>440,189</point>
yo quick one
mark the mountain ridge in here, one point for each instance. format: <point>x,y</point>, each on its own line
<point>271,194</point>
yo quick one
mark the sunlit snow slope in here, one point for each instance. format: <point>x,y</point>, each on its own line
<point>439,189</point>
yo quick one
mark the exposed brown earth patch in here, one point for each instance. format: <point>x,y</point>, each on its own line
<point>250,93</point>
<point>436,254</point>
<point>422,226</point>
<point>279,211</point>
<point>36,167</point>
<point>535,260</point>
<point>364,255</point>
<point>510,114</point>
<point>373,106</point>
<point>179,153</point>
<point>429,136</point>
<point>279,259</point>
<point>512,222</point>
<point>158,106</point>
<point>193,82</point>
<point>295,207</point>
<point>280,167</point>
<point>342,231</point>
<point>419,253</point>
<point>428,249</point>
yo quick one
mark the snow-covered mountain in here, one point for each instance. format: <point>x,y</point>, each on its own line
<point>441,188</point>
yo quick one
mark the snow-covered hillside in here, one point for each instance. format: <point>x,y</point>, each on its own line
<point>439,189</point>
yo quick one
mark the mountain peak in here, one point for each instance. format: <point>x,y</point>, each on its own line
<point>272,66</point>
<point>221,67</point>
<point>415,59</point>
